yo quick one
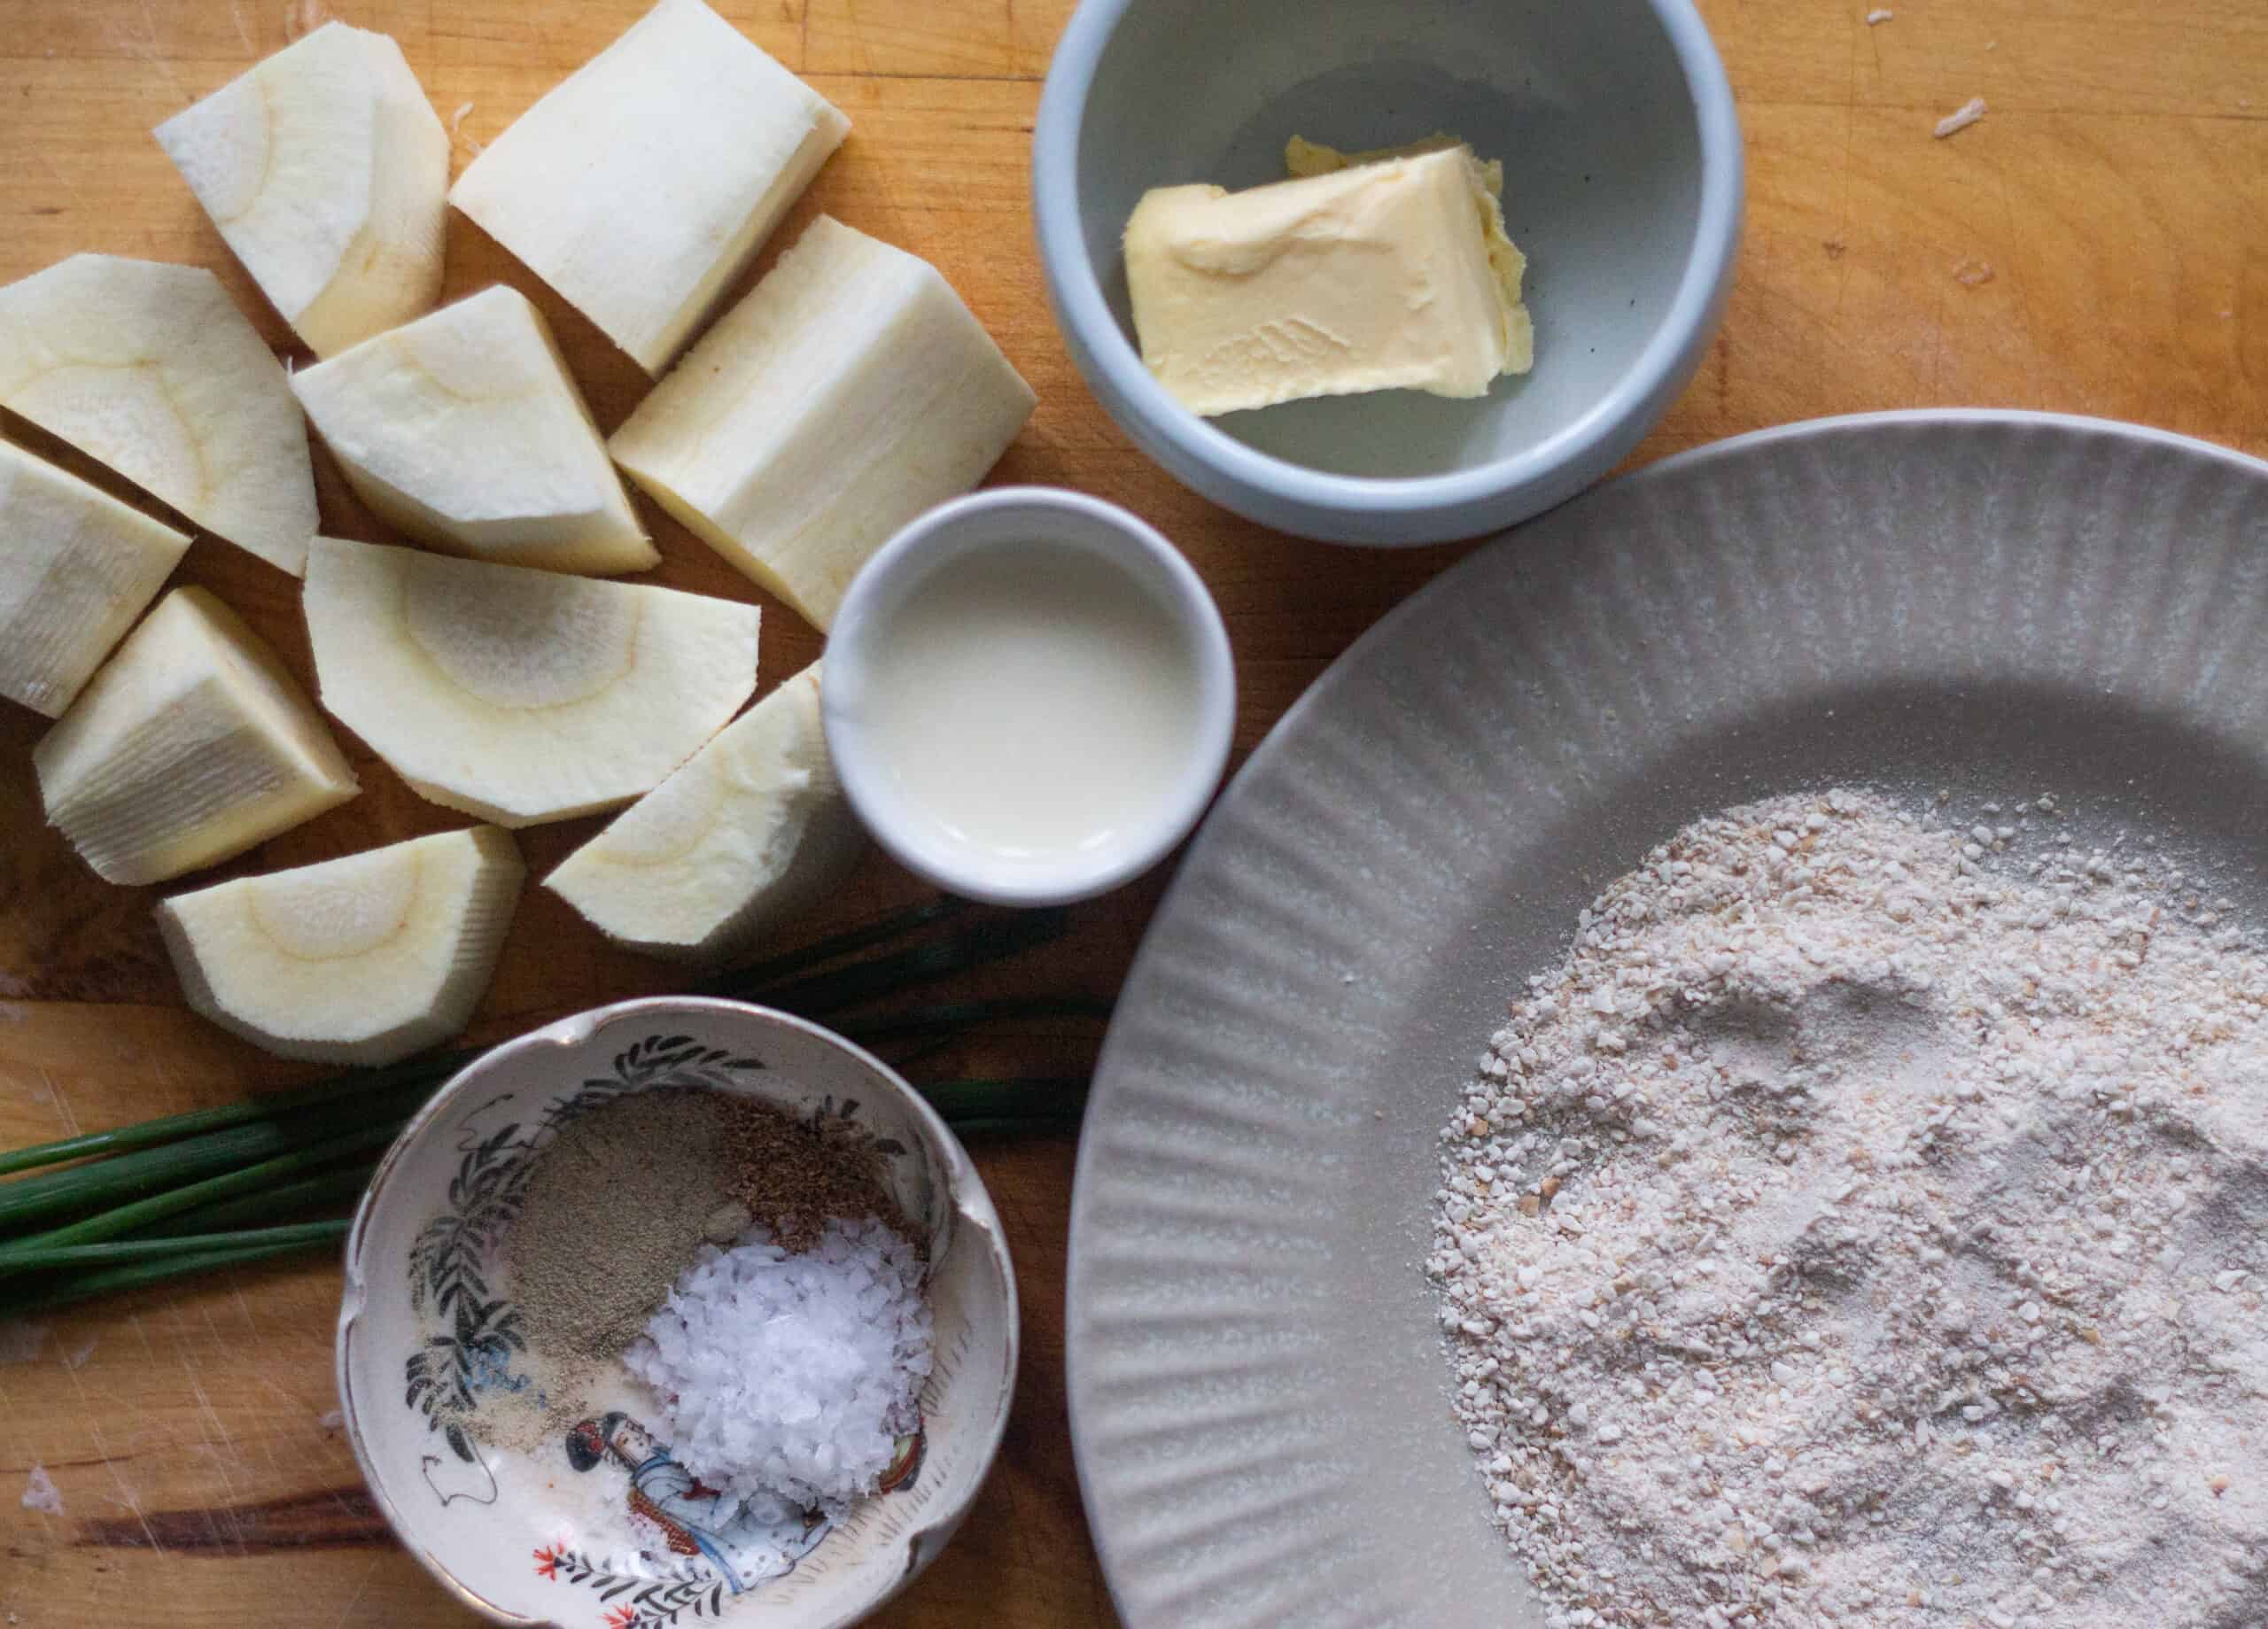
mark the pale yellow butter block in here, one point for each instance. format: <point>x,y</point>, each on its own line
<point>1370,272</point>
<point>848,392</point>
<point>360,960</point>
<point>751,829</point>
<point>463,429</point>
<point>640,185</point>
<point>190,745</point>
<point>76,568</point>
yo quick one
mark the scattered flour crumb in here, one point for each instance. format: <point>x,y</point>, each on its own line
<point>333,1420</point>
<point>456,130</point>
<point>1967,115</point>
<point>20,1342</point>
<point>78,1360</point>
<point>1883,16</point>
<point>40,1494</point>
<point>1973,273</point>
<point>12,1012</point>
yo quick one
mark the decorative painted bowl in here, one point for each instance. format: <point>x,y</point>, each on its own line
<point>604,1529</point>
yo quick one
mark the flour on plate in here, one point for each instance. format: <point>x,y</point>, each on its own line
<point>1867,1226</point>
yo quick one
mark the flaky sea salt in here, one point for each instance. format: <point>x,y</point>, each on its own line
<point>792,1374</point>
<point>1922,1275</point>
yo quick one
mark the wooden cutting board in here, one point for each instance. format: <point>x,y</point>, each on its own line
<point>2099,244</point>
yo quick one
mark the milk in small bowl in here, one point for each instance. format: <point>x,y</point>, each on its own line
<point>1028,697</point>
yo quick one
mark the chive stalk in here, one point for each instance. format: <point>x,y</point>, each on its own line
<point>152,1170</point>
<point>35,1259</point>
<point>341,1186</point>
<point>187,1193</point>
<point>249,1179</point>
<point>65,1289</point>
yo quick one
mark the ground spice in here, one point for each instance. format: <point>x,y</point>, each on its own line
<point>619,1203</point>
<point>615,1207</point>
<point>793,1174</point>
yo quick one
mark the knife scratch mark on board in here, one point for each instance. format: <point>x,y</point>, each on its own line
<point>125,1493</point>
<point>347,1610</point>
<point>63,1111</point>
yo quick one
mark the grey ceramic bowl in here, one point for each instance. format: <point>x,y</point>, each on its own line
<point>1622,160</point>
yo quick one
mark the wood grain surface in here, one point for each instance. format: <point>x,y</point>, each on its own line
<point>2099,244</point>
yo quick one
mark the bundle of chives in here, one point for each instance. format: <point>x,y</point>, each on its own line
<point>188,1193</point>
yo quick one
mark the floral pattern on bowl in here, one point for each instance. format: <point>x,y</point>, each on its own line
<point>602,1528</point>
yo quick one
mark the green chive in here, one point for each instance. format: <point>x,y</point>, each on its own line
<point>249,1179</point>
<point>262,1106</point>
<point>152,1170</point>
<point>34,1259</point>
<point>343,1185</point>
<point>811,957</point>
<point>961,1102</point>
<point>73,1287</point>
<point>823,993</point>
<point>969,1014</point>
<point>1018,1125</point>
<point>429,1069</point>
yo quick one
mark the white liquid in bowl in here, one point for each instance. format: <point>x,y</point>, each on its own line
<point>1028,703</point>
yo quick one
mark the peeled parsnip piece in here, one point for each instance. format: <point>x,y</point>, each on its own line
<point>464,430</point>
<point>752,829</point>
<point>849,391</point>
<point>358,961</point>
<point>76,568</point>
<point>148,367</point>
<point>328,173</point>
<point>189,745</point>
<point>643,183</point>
<point>521,696</point>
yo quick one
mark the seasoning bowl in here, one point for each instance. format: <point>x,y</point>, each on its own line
<point>545,1536</point>
<point>1622,185</point>
<point>1121,560</point>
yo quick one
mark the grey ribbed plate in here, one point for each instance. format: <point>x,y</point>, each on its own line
<point>1996,604</point>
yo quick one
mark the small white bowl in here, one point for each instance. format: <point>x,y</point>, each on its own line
<point>546,1537</point>
<point>1006,515</point>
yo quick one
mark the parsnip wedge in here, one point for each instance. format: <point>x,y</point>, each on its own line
<point>359,961</point>
<point>148,367</point>
<point>189,745</point>
<point>516,696</point>
<point>463,429</point>
<point>76,568</point>
<point>641,185</point>
<point>753,828</point>
<point>850,390</point>
<point>327,174</point>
